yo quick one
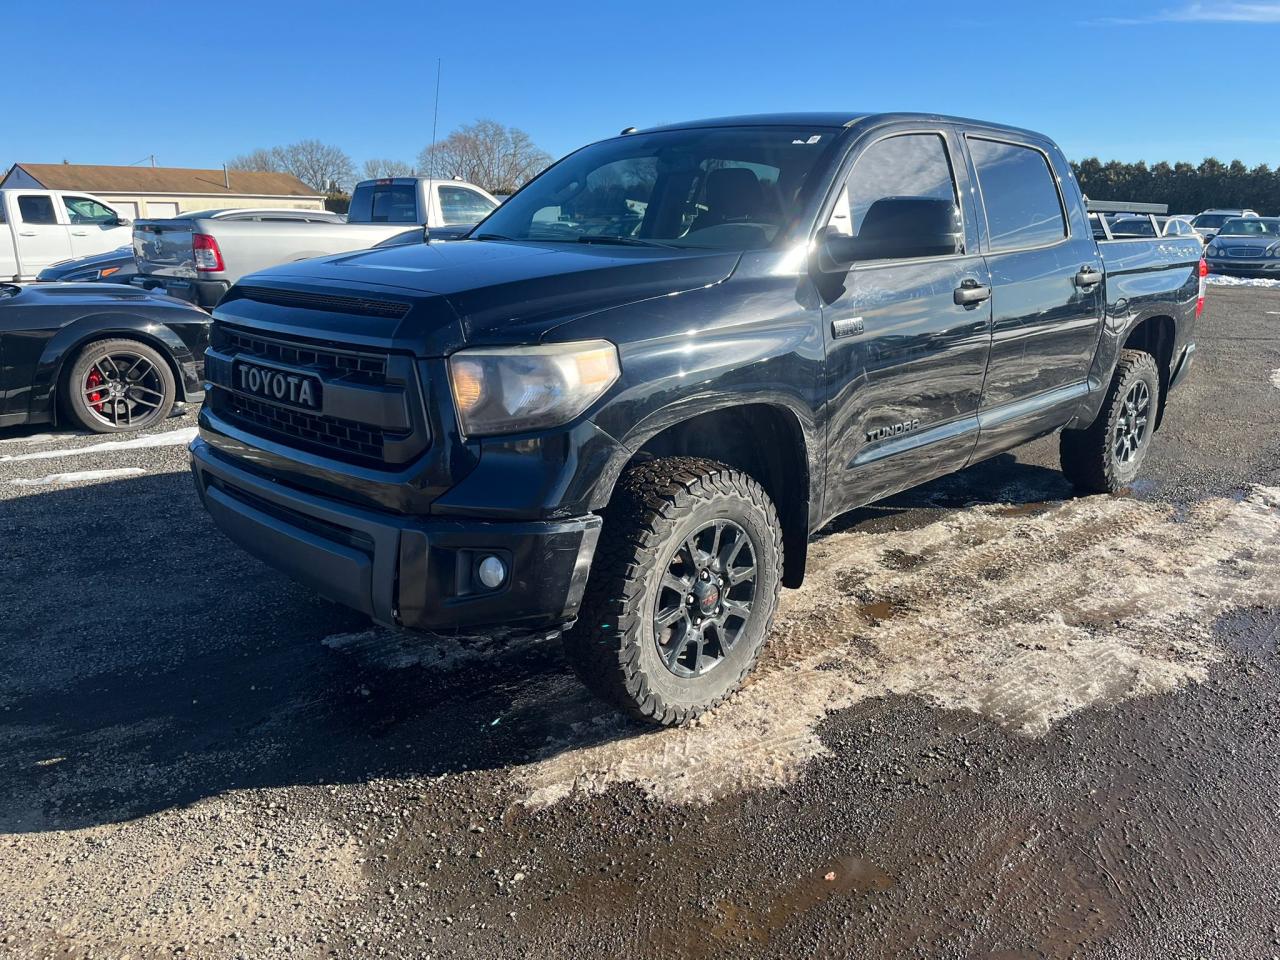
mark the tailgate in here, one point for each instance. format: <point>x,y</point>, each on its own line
<point>163,247</point>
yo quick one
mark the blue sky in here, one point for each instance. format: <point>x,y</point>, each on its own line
<point>196,84</point>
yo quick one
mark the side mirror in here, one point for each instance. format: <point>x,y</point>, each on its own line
<point>836,251</point>
<point>895,228</point>
<point>123,222</point>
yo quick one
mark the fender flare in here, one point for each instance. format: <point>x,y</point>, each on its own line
<point>66,343</point>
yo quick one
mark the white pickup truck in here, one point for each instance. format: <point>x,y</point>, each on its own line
<point>198,260</point>
<point>41,227</point>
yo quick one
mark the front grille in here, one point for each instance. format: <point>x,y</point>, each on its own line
<point>1246,251</point>
<point>356,442</point>
<point>297,353</point>
<point>361,306</point>
<point>381,445</point>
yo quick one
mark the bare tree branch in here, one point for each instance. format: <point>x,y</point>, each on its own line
<point>321,166</point>
<point>381,167</point>
<point>500,159</point>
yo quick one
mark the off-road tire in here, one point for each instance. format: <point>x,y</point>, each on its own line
<point>655,505</point>
<point>159,398</point>
<point>1088,456</point>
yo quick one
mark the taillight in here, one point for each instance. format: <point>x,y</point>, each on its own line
<point>204,250</point>
<point>1204,272</point>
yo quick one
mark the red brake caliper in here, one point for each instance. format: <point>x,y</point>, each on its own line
<point>95,398</point>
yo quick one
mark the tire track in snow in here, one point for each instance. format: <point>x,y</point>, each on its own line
<point>1021,619</point>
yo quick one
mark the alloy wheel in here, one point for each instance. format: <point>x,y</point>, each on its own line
<point>123,388</point>
<point>1131,426</point>
<point>704,598</point>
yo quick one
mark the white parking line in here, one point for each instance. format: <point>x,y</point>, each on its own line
<point>172,438</point>
<point>36,438</point>
<point>82,475</point>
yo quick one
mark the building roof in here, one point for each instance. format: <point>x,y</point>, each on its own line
<point>97,178</point>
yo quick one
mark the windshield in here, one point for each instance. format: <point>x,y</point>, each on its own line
<point>1252,227</point>
<point>1211,220</point>
<point>728,188</point>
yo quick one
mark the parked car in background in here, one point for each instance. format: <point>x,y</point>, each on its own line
<point>1179,227</point>
<point>198,259</point>
<point>42,227</point>
<point>1210,222</point>
<point>627,418</point>
<point>109,358</point>
<point>1246,247</point>
<point>1133,227</point>
<point>119,266</point>
<point>432,203</point>
<point>114,266</point>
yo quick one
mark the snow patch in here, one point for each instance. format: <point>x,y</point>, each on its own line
<point>1275,379</point>
<point>1021,619</point>
<point>171,438</point>
<point>1219,280</point>
<point>81,476</point>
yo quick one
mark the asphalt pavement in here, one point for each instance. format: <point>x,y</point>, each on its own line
<point>998,721</point>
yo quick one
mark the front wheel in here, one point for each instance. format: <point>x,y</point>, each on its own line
<point>1106,456</point>
<point>682,591</point>
<point>119,385</point>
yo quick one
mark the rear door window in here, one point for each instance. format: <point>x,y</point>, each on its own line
<point>385,203</point>
<point>36,208</point>
<point>1020,194</point>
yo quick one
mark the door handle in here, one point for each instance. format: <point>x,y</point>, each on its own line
<point>79,233</point>
<point>27,233</point>
<point>1088,277</point>
<point>971,291</point>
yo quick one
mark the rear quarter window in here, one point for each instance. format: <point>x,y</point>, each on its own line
<point>1020,194</point>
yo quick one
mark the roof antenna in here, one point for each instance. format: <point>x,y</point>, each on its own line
<point>431,154</point>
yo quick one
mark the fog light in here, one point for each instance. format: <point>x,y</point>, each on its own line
<point>492,572</point>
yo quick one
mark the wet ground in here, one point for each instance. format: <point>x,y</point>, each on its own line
<point>997,722</point>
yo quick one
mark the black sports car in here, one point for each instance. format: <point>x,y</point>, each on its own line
<point>108,357</point>
<point>114,266</point>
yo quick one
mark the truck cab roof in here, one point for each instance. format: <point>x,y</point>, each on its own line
<point>834,119</point>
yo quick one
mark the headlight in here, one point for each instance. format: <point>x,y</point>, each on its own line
<point>1211,250</point>
<point>511,389</point>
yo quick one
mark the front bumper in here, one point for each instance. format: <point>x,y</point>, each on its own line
<point>400,570</point>
<point>1240,267</point>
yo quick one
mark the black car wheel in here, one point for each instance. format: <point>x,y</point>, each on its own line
<point>119,385</point>
<point>682,591</point>
<point>1106,456</point>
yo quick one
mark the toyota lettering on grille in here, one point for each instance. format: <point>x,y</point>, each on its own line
<point>279,386</point>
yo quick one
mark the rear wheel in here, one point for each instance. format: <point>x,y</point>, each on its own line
<point>1106,456</point>
<point>682,592</point>
<point>118,385</point>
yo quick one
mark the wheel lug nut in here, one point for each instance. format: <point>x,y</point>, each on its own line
<point>690,599</point>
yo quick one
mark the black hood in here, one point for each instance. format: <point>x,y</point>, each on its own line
<point>473,291</point>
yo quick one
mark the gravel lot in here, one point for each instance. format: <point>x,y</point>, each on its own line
<point>997,721</point>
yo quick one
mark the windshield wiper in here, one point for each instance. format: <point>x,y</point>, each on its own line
<point>492,236</point>
<point>624,241</point>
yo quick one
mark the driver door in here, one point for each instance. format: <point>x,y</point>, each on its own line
<point>908,324</point>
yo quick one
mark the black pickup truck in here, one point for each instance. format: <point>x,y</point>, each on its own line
<point>621,407</point>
